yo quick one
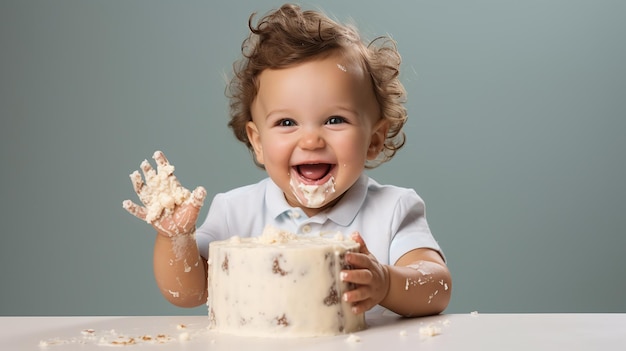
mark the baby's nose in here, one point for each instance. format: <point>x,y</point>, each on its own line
<point>312,139</point>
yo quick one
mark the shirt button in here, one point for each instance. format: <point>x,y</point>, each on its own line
<point>306,229</point>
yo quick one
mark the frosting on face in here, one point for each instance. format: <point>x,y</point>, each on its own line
<point>312,195</point>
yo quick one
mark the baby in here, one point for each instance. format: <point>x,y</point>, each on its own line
<point>317,107</point>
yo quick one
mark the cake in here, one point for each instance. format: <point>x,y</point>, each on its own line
<point>280,285</point>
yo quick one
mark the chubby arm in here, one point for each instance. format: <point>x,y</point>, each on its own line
<point>418,284</point>
<point>179,270</point>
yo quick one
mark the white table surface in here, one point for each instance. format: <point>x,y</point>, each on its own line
<point>456,332</point>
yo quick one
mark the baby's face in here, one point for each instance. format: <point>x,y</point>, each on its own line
<point>314,126</point>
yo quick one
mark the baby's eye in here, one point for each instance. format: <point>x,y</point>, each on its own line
<point>286,122</point>
<point>336,120</point>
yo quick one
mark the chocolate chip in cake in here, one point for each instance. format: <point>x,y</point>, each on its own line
<point>332,298</point>
<point>225,264</point>
<point>282,320</point>
<point>276,269</point>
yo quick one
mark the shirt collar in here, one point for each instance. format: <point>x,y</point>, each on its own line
<point>275,200</point>
<point>343,213</point>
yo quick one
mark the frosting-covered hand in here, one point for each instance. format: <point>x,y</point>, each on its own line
<point>370,277</point>
<point>167,205</point>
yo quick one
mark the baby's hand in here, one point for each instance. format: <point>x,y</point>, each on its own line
<point>370,277</point>
<point>168,206</point>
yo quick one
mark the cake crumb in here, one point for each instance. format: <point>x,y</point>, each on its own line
<point>122,341</point>
<point>272,235</point>
<point>88,332</point>
<point>430,330</point>
<point>339,236</point>
<point>112,338</point>
<point>403,333</point>
<point>474,313</point>
<point>352,338</point>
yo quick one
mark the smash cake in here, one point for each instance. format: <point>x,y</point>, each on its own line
<point>280,285</point>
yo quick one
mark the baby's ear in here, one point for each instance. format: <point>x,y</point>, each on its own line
<point>255,139</point>
<point>377,139</point>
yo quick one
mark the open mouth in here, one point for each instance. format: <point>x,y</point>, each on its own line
<point>313,183</point>
<point>314,173</point>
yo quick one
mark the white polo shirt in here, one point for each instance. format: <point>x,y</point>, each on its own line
<point>390,219</point>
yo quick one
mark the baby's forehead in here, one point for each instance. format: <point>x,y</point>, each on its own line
<point>347,60</point>
<point>342,65</point>
<point>350,64</point>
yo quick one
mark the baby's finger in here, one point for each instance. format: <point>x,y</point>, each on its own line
<point>362,306</point>
<point>357,295</point>
<point>356,236</point>
<point>358,260</point>
<point>160,158</point>
<point>137,181</point>
<point>134,209</point>
<point>163,165</point>
<point>360,299</point>
<point>148,172</point>
<point>357,276</point>
<point>197,197</point>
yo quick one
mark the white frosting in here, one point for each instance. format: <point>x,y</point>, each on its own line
<point>162,192</point>
<point>315,195</point>
<point>273,235</point>
<point>280,285</point>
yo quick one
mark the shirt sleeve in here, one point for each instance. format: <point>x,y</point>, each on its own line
<point>215,225</point>
<point>410,228</point>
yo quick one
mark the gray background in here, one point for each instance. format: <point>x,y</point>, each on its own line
<point>515,140</point>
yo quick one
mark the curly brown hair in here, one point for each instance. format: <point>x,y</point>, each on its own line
<point>289,36</point>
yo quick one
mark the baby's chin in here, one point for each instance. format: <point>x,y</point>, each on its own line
<point>313,195</point>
